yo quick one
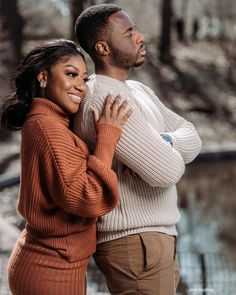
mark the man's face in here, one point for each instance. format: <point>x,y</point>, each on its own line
<point>126,43</point>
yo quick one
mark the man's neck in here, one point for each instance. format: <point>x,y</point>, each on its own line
<point>115,73</point>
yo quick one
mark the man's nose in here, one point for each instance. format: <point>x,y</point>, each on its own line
<point>140,38</point>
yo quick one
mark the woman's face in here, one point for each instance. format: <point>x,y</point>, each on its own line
<point>66,83</point>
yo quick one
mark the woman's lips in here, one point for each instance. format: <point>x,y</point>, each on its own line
<point>75,98</point>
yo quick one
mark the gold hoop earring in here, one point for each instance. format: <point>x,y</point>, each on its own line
<point>43,84</point>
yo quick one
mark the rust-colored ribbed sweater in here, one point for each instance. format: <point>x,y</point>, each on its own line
<point>63,188</point>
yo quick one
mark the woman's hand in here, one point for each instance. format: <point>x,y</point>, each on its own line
<point>114,113</point>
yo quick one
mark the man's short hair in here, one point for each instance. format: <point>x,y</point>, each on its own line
<point>92,25</point>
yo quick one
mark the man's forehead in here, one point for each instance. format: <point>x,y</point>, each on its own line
<point>121,20</point>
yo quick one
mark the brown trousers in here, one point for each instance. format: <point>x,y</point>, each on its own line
<point>143,263</point>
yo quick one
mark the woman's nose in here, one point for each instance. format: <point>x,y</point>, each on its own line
<point>80,84</point>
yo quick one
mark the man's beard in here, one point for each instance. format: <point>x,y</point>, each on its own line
<point>123,60</point>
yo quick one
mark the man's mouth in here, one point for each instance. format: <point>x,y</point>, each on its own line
<point>142,50</point>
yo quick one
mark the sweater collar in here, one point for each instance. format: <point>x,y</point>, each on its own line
<point>43,106</point>
<point>108,80</point>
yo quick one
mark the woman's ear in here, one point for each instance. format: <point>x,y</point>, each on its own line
<point>102,48</point>
<point>43,78</point>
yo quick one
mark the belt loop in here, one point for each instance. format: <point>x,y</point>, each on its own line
<point>175,247</point>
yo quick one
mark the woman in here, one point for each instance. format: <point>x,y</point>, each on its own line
<point>63,188</point>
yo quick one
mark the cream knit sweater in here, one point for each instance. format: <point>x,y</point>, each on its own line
<point>148,167</point>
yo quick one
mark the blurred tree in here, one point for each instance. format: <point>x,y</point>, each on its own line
<point>165,45</point>
<point>185,16</point>
<point>45,20</point>
<point>76,7</point>
<point>11,31</point>
<point>195,29</point>
<point>180,29</point>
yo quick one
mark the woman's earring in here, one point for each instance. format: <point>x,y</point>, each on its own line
<point>43,84</point>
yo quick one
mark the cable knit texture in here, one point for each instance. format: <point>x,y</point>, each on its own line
<point>148,167</point>
<point>63,190</point>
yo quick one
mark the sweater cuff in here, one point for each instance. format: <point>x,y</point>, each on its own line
<point>107,139</point>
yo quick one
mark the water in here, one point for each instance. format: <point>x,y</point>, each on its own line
<point>207,236</point>
<point>207,239</point>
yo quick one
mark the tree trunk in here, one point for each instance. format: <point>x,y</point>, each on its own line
<point>11,32</point>
<point>76,7</point>
<point>165,46</point>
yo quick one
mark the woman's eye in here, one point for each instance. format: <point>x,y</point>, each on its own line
<point>86,79</point>
<point>72,74</point>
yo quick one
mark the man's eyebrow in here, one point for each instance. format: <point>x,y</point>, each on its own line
<point>129,29</point>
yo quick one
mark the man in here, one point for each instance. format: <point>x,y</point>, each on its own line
<point>136,248</point>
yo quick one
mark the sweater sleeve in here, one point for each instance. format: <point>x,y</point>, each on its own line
<point>140,148</point>
<point>80,184</point>
<point>183,133</point>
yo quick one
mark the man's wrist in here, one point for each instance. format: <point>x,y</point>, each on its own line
<point>167,138</point>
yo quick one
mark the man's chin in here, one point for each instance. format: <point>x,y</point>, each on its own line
<point>139,63</point>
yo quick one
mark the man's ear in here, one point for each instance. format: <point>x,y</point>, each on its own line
<point>43,76</point>
<point>102,48</point>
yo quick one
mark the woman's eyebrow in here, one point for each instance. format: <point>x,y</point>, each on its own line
<point>77,69</point>
<point>69,65</point>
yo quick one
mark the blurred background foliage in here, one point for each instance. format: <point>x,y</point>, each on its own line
<point>191,65</point>
<point>191,62</point>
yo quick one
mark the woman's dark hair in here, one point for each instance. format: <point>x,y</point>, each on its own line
<point>16,106</point>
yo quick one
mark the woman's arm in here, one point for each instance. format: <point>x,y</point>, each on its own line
<point>80,183</point>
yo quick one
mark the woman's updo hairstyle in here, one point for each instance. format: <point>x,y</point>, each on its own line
<point>26,84</point>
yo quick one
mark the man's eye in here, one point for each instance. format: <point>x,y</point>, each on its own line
<point>132,33</point>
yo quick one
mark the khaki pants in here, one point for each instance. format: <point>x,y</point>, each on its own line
<point>143,263</point>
